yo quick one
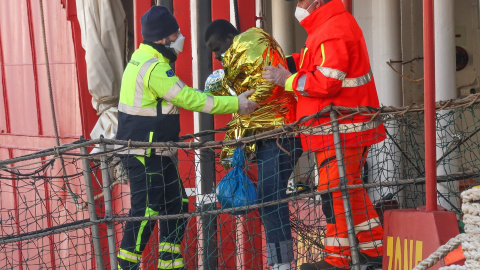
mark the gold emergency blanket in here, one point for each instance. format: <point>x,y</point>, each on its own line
<point>243,63</point>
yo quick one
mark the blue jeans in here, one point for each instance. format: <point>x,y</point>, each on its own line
<point>274,169</point>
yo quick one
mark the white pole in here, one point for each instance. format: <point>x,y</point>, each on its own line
<point>283,24</point>
<point>386,47</point>
<point>445,68</point>
<point>232,15</point>
<point>445,63</point>
<point>196,128</point>
<point>259,13</point>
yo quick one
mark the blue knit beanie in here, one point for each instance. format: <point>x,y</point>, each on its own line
<point>158,23</point>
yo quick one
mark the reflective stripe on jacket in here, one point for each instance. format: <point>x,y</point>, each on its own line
<point>334,68</point>
<point>151,95</point>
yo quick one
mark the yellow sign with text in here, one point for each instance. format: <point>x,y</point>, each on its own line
<point>307,250</point>
<point>403,254</point>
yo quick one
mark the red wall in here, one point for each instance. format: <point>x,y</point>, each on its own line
<point>26,126</point>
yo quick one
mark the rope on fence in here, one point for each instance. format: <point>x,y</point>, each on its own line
<point>286,129</point>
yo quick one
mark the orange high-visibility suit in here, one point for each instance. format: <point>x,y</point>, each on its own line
<point>334,68</point>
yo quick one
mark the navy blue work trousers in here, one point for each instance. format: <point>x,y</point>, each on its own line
<point>156,189</point>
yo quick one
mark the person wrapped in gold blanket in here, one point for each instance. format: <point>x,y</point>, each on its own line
<point>244,56</point>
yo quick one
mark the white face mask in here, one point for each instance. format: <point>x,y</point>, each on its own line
<point>301,13</point>
<point>177,45</point>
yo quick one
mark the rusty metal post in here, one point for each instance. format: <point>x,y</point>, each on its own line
<point>429,101</point>
<point>108,207</point>
<point>345,196</point>
<point>91,210</point>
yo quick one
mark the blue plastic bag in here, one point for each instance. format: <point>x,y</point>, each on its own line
<point>236,189</point>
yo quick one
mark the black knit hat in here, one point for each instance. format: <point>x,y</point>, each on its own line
<point>158,23</point>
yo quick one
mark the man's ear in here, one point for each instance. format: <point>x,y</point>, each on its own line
<point>161,41</point>
<point>230,38</point>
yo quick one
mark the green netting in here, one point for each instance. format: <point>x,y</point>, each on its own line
<point>45,221</point>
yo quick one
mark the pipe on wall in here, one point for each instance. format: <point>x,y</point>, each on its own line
<point>283,24</point>
<point>445,62</point>
<point>430,135</point>
<point>207,175</point>
<point>386,47</point>
<point>166,3</point>
<point>259,13</point>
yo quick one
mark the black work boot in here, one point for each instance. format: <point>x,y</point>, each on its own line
<point>321,265</point>
<point>370,263</point>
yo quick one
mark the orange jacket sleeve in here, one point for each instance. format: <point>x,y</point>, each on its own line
<point>321,70</point>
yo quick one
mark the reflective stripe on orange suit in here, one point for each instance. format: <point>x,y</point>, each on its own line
<point>367,225</point>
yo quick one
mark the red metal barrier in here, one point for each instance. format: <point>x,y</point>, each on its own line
<point>405,244</point>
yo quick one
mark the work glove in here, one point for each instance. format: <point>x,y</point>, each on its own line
<point>246,106</point>
<point>277,75</point>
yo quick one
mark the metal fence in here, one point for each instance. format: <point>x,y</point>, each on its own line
<point>72,203</point>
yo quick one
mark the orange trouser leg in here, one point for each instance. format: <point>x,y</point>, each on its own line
<point>368,229</point>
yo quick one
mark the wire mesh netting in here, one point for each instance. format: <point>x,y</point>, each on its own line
<point>48,220</point>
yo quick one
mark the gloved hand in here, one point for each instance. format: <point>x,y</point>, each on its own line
<point>246,106</point>
<point>277,75</point>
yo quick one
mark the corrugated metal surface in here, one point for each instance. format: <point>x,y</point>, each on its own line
<point>25,69</point>
<point>26,126</point>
